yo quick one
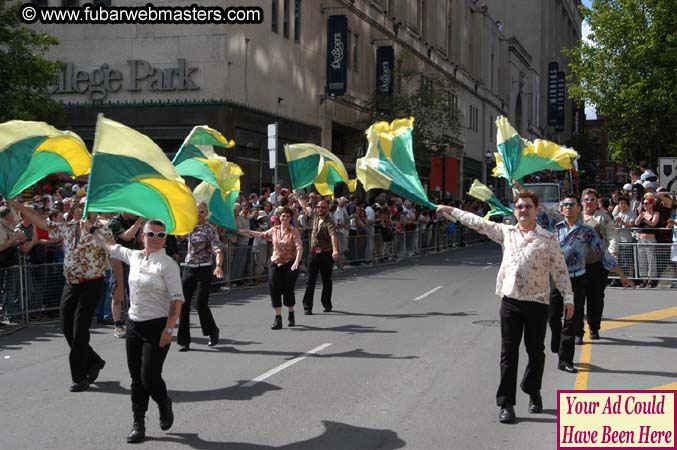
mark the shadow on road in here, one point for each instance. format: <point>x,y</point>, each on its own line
<point>236,392</point>
<point>663,342</point>
<point>586,367</point>
<point>337,436</point>
<point>406,316</point>
<point>348,329</point>
<point>357,353</point>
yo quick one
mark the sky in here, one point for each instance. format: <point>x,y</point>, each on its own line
<point>590,112</point>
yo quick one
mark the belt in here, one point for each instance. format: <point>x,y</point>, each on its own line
<point>84,280</point>
<point>198,265</point>
<point>577,274</point>
<point>320,250</point>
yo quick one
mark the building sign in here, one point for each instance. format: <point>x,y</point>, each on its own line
<point>139,76</point>
<point>337,44</point>
<point>385,57</point>
<point>553,69</point>
<point>561,97</point>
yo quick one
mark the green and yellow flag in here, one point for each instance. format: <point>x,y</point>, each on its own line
<point>220,185</point>
<point>389,163</point>
<point>517,157</point>
<point>483,193</point>
<point>130,173</point>
<point>309,163</point>
<point>29,151</point>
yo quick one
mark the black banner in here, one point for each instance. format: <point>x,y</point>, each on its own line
<point>385,60</point>
<point>553,69</point>
<point>337,46</point>
<point>561,98</point>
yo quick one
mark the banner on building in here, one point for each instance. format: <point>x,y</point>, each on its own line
<point>561,98</point>
<point>436,174</point>
<point>451,175</point>
<point>337,44</point>
<point>385,60</point>
<point>553,70</point>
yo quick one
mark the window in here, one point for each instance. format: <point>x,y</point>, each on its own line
<point>105,3</point>
<point>426,87</point>
<point>356,43</point>
<point>474,118</point>
<point>39,2</point>
<point>285,19</point>
<point>274,8</point>
<point>69,3</point>
<point>297,21</point>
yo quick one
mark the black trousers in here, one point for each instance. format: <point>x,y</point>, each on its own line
<point>595,283</point>
<point>564,337</point>
<point>200,278</point>
<point>145,359</point>
<point>281,281</point>
<point>519,316</point>
<point>78,305</point>
<point>324,264</point>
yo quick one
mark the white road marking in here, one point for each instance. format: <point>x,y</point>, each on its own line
<point>289,363</point>
<point>432,291</point>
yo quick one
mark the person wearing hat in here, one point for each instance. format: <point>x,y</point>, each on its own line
<point>649,186</point>
<point>84,266</point>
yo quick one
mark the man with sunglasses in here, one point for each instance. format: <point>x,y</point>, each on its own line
<point>595,273</point>
<point>531,257</point>
<point>577,241</point>
<point>323,254</point>
<point>84,266</point>
<point>203,242</point>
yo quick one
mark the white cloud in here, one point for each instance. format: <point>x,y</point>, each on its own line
<point>586,31</point>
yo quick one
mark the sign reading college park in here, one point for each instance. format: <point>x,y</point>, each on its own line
<point>139,76</point>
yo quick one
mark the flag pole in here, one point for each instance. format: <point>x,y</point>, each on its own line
<point>97,130</point>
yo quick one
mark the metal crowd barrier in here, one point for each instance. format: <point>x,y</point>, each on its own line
<point>26,289</point>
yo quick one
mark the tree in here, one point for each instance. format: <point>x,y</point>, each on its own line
<point>628,71</point>
<point>428,96</point>
<point>24,72</point>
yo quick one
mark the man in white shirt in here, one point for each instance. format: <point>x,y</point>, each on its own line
<point>342,219</point>
<point>531,257</point>
<point>371,219</point>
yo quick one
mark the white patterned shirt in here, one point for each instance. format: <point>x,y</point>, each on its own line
<point>529,259</point>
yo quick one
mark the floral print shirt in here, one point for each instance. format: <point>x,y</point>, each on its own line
<point>577,241</point>
<point>529,260</point>
<point>202,242</point>
<point>84,258</point>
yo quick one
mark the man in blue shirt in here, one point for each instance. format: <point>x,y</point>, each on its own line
<point>576,239</point>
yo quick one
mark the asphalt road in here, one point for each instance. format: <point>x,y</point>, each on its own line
<point>408,359</point>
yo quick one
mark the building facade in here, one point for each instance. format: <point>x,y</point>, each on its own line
<point>164,79</point>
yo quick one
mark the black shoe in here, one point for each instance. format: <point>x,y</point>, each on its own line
<point>81,386</point>
<point>566,367</point>
<point>292,319</point>
<point>506,415</point>
<point>535,404</point>
<point>308,312</point>
<point>184,348</point>
<point>579,340</point>
<point>277,323</point>
<point>166,414</point>
<point>327,309</point>
<point>138,433</point>
<point>94,371</point>
<point>213,338</point>
<point>594,335</point>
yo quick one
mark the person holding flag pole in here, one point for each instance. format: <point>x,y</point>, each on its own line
<point>531,255</point>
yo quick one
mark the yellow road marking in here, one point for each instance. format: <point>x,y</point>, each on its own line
<point>586,351</point>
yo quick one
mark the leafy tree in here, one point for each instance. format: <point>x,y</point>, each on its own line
<point>24,72</point>
<point>628,72</point>
<point>427,95</point>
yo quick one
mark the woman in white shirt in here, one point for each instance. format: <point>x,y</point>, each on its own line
<point>156,297</point>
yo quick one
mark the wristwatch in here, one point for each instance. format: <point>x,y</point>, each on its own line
<point>169,331</point>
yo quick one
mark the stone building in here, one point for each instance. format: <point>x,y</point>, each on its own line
<point>164,79</point>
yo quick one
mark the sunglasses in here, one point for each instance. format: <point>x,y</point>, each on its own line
<point>647,203</point>
<point>568,204</point>
<point>152,234</point>
<point>521,207</point>
<point>202,211</point>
